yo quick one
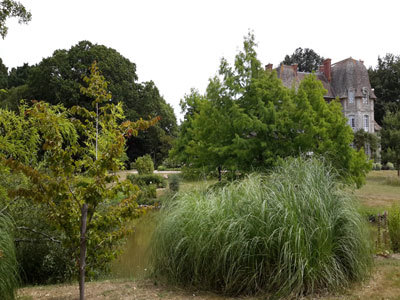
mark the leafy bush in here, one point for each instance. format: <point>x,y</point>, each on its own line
<point>174,182</point>
<point>144,165</point>
<point>143,180</point>
<point>8,261</point>
<point>41,257</point>
<point>394,228</point>
<point>147,192</point>
<point>389,166</point>
<point>190,173</point>
<point>376,166</point>
<point>161,168</point>
<point>292,233</point>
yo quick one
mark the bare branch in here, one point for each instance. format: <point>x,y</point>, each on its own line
<point>47,237</point>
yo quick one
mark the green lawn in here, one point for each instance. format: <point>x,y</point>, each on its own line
<point>381,190</point>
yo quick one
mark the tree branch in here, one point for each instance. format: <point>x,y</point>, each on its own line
<point>11,202</point>
<point>48,237</point>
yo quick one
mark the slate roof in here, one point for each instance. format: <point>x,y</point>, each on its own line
<point>350,74</point>
<point>346,74</point>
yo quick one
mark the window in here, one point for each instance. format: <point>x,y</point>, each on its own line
<point>365,95</point>
<point>352,122</point>
<point>351,96</point>
<point>366,123</point>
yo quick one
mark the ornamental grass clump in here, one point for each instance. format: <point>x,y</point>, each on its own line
<point>294,232</point>
<point>8,261</point>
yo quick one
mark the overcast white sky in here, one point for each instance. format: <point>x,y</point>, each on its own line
<point>178,44</point>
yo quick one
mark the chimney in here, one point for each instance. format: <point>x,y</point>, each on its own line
<point>294,67</point>
<point>268,67</point>
<point>361,61</point>
<point>327,69</point>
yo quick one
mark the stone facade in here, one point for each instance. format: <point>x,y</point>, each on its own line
<point>347,80</point>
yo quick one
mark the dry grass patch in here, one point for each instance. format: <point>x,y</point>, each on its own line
<point>144,290</point>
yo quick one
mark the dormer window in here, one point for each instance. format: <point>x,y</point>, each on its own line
<point>351,96</point>
<point>365,94</point>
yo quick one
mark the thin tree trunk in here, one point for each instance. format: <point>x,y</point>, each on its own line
<point>97,126</point>
<point>219,173</point>
<point>82,260</point>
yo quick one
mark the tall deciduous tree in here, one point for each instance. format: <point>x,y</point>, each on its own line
<point>306,59</point>
<point>385,78</point>
<point>248,120</point>
<point>75,182</point>
<point>391,138</point>
<point>57,79</point>
<point>3,75</point>
<point>12,9</point>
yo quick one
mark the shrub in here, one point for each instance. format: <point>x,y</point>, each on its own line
<point>389,166</point>
<point>394,228</point>
<point>42,261</point>
<point>8,261</point>
<point>143,180</point>
<point>144,165</point>
<point>147,194</point>
<point>377,166</point>
<point>174,182</point>
<point>292,233</point>
<point>161,168</point>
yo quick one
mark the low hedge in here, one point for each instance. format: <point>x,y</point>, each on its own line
<point>144,180</point>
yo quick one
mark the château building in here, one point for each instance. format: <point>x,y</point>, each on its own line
<point>347,80</point>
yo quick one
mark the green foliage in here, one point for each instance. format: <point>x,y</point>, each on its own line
<point>57,79</point>
<point>389,166</point>
<point>19,76</point>
<point>144,165</point>
<point>8,263</point>
<point>384,79</point>
<point>394,228</point>
<point>362,138</point>
<point>307,60</point>
<point>19,139</point>
<point>148,194</point>
<point>147,179</point>
<point>293,233</point>
<point>390,134</point>
<point>11,99</point>
<point>174,182</point>
<point>377,166</point>
<point>3,75</point>
<point>12,9</point>
<point>72,174</point>
<point>249,121</point>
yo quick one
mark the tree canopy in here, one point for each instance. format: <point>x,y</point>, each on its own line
<point>3,75</point>
<point>385,78</point>
<point>307,60</point>
<point>248,120</point>
<point>12,9</point>
<point>391,138</point>
<point>57,79</point>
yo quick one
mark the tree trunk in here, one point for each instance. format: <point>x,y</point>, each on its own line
<point>82,260</point>
<point>219,173</point>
